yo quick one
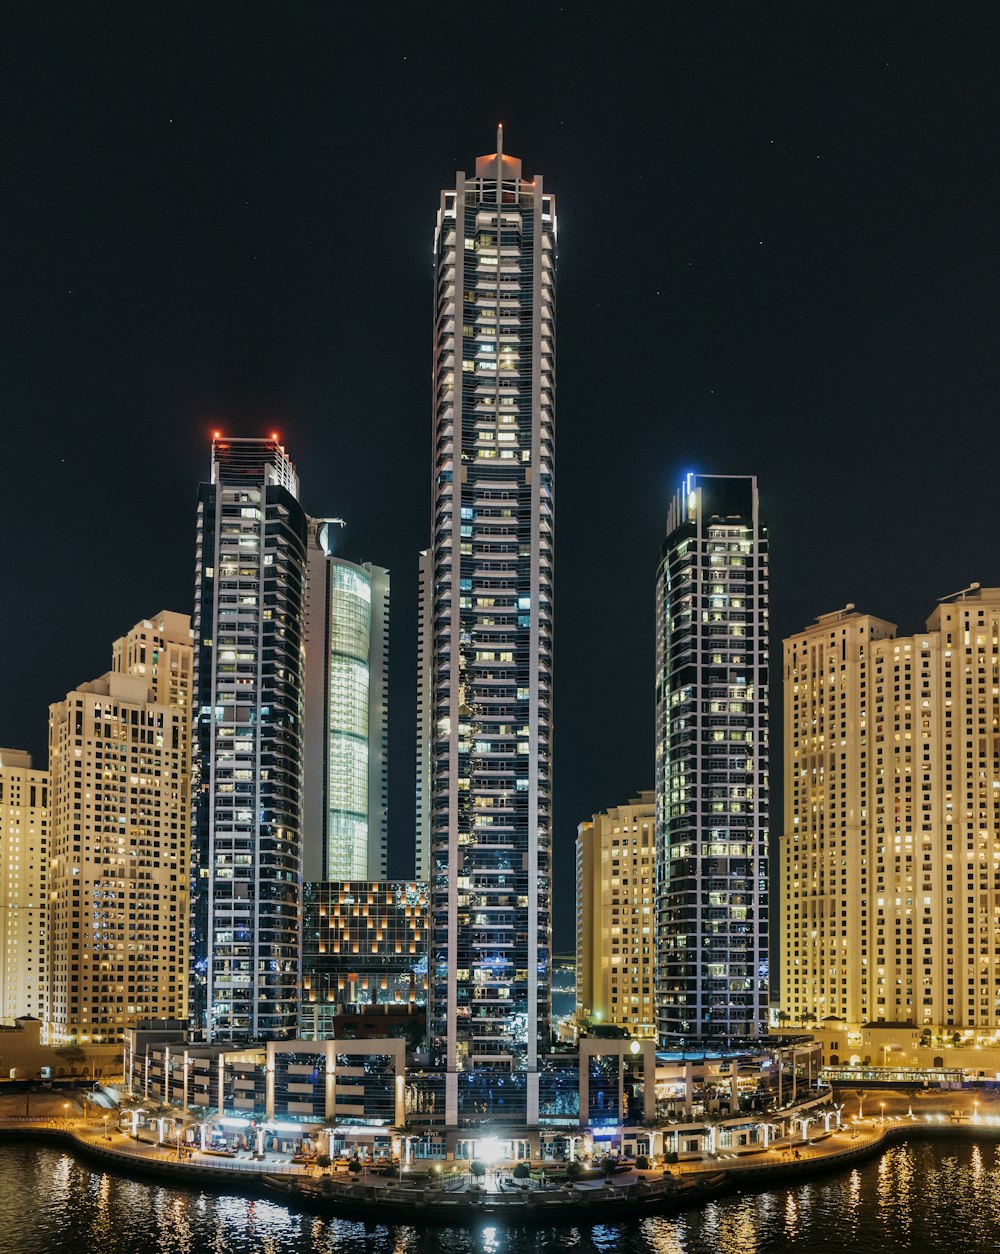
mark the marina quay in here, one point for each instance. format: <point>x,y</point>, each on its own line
<point>701,1160</point>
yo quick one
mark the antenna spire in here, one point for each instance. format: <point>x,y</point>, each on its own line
<point>500,142</point>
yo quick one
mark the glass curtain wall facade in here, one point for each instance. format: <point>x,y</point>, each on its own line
<point>363,945</point>
<point>711,763</point>
<point>346,784</point>
<point>347,772</point>
<point>490,620</point>
<point>247,775</point>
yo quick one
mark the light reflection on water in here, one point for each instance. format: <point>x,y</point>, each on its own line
<point>926,1197</point>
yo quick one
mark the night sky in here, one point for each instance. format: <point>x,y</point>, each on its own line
<point>779,254</point>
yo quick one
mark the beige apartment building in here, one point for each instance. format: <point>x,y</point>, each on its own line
<point>119,763</point>
<point>890,857</point>
<point>24,855</point>
<point>615,916</point>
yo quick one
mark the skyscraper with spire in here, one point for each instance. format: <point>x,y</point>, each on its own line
<point>486,653</point>
<point>248,744</point>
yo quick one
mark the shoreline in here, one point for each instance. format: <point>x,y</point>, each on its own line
<point>689,1186</point>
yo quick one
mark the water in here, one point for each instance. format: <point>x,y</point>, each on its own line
<point>925,1197</point>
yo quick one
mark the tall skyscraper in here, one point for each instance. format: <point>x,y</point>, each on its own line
<point>119,767</point>
<point>890,856</point>
<point>711,762</point>
<point>24,864</point>
<point>425,713</point>
<point>346,712</point>
<point>248,744</point>
<point>616,916</point>
<point>490,612</point>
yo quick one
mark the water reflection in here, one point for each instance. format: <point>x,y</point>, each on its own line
<point>851,1214</point>
<point>100,1232</point>
<point>791,1217</point>
<point>663,1236</point>
<point>929,1197</point>
<point>738,1230</point>
<point>173,1225</point>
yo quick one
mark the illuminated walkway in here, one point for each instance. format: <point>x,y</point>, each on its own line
<point>793,1155</point>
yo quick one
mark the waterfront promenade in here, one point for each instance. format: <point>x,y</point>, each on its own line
<point>889,1115</point>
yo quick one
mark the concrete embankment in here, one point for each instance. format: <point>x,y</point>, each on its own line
<point>628,1195</point>
<point>140,1158</point>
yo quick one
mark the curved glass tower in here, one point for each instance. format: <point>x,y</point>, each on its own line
<point>711,763</point>
<point>347,778</point>
<point>346,714</point>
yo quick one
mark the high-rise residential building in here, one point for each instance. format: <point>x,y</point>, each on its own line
<point>711,762</point>
<point>488,684</point>
<point>425,697</point>
<point>890,855</point>
<point>249,627</point>
<point>616,916</point>
<point>345,797</point>
<point>120,809</point>
<point>24,861</point>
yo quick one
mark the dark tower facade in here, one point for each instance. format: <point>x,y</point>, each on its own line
<point>246,861</point>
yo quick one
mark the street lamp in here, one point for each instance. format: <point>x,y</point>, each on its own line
<point>882,1104</point>
<point>107,1134</point>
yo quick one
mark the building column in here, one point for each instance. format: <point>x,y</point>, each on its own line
<point>331,1079</point>
<point>532,1098</point>
<point>269,1082</point>
<point>399,1069</point>
<point>451,1099</point>
<point>648,1081</point>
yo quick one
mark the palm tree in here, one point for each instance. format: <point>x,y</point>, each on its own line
<point>128,1103</point>
<point>329,1126</point>
<point>158,1111</point>
<point>860,1094</point>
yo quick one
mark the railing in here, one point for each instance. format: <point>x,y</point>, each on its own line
<point>56,1121</point>
<point>168,1158</point>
